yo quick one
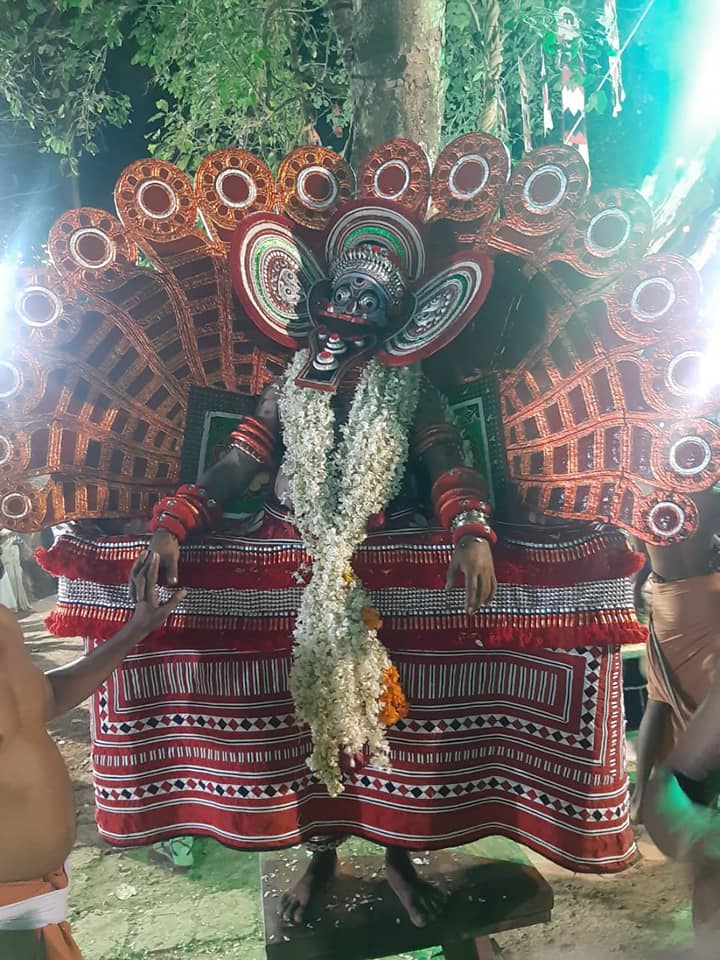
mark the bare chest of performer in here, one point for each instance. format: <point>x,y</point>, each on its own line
<point>37,817</point>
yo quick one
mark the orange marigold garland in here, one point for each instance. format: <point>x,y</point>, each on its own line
<point>393,705</point>
<point>371,618</point>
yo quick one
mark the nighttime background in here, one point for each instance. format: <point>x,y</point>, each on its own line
<point>624,150</point>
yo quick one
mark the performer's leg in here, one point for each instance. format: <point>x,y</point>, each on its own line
<point>697,752</point>
<point>294,904</point>
<point>706,903</point>
<point>684,828</point>
<point>651,735</point>
<point>705,874</point>
<point>675,815</point>
<point>421,899</point>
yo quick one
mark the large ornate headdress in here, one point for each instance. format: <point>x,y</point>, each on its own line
<point>386,233</point>
<point>607,416</point>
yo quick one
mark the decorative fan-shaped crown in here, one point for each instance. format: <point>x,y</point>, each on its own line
<point>602,419</point>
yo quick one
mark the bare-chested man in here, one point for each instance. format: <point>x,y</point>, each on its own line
<point>682,823</point>
<point>679,735</point>
<point>684,639</point>
<point>37,815</point>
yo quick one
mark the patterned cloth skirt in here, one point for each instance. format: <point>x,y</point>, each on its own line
<point>516,722</point>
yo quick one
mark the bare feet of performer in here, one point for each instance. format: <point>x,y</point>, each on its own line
<point>421,899</point>
<point>295,904</point>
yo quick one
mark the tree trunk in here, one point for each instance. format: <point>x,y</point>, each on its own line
<point>395,59</point>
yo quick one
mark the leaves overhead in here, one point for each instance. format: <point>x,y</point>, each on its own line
<point>484,43</point>
<point>249,73</point>
<point>254,73</point>
<point>53,71</point>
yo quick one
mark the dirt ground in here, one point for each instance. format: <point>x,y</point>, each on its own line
<point>125,907</point>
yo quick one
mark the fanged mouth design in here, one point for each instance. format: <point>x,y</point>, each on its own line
<point>330,313</point>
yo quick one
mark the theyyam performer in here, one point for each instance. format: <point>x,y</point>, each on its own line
<point>387,428</point>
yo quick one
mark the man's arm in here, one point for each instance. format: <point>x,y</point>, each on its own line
<point>234,472</point>
<point>194,509</point>
<point>437,446</point>
<point>72,684</point>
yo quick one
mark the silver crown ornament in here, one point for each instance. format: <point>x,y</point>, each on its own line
<point>376,265</point>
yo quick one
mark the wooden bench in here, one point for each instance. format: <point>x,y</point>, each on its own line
<point>360,918</point>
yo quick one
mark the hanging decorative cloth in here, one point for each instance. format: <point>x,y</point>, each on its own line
<point>572,68</point>
<point>525,106</point>
<point>548,122</point>
<point>614,60</point>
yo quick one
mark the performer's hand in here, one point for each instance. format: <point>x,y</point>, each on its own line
<point>167,548</point>
<point>473,558</point>
<point>149,613</point>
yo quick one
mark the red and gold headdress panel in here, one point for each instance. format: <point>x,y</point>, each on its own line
<point>609,416</point>
<point>385,232</point>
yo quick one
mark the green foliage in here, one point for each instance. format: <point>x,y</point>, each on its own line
<point>526,30</point>
<point>249,73</point>
<point>258,73</point>
<point>52,71</point>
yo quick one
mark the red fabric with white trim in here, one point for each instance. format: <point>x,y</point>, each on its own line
<point>196,734</point>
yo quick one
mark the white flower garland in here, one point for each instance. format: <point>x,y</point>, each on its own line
<point>339,663</point>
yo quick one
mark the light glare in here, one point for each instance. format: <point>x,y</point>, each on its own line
<point>7,296</point>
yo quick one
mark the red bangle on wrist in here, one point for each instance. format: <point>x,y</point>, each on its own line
<point>253,438</point>
<point>455,500</point>
<point>482,530</point>
<point>199,498</point>
<point>165,522</point>
<point>458,478</point>
<point>190,510</point>
<point>449,510</point>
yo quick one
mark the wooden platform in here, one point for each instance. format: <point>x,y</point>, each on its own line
<point>361,918</point>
